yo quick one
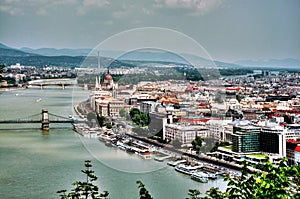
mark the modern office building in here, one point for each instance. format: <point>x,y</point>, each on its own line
<point>273,139</point>
<point>245,138</point>
<point>157,122</point>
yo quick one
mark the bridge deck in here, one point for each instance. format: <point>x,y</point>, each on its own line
<point>35,121</point>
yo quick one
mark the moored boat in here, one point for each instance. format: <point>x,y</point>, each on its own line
<point>209,175</point>
<point>175,163</point>
<point>146,155</point>
<point>186,169</point>
<point>199,177</point>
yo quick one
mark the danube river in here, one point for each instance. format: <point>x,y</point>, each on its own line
<point>36,164</point>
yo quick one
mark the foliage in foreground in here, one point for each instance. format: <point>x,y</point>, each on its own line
<point>85,189</point>
<point>273,182</point>
<point>144,193</point>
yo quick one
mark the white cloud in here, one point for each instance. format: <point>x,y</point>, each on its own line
<point>11,10</point>
<point>41,12</point>
<point>39,7</point>
<point>99,3</point>
<point>198,6</point>
<point>88,4</point>
<point>147,11</point>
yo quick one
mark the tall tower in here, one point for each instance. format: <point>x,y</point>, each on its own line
<point>98,60</point>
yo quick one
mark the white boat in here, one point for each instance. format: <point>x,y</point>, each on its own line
<point>209,175</point>
<point>175,163</point>
<point>199,177</point>
<point>220,173</point>
<point>38,100</point>
<point>90,134</point>
<point>186,169</point>
<point>146,155</point>
<point>103,137</point>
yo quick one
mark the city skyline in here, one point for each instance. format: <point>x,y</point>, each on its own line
<point>229,30</point>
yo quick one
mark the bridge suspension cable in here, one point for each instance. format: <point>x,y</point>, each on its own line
<point>58,116</point>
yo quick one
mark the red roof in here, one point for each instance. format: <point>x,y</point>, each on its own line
<point>234,88</point>
<point>297,149</point>
<point>147,153</point>
<point>108,77</point>
<point>293,141</point>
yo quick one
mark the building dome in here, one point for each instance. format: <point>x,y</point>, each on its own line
<point>108,77</point>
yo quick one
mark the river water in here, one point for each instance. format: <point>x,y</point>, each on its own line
<point>36,164</point>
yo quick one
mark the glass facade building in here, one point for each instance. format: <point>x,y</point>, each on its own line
<point>272,140</point>
<point>246,139</point>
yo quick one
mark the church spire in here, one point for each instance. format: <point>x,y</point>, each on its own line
<point>98,60</point>
<point>97,84</point>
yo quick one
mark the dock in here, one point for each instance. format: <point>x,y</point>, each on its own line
<point>173,164</point>
<point>161,159</point>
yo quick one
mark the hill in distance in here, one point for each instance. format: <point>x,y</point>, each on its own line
<point>8,51</point>
<point>74,57</point>
<point>57,52</point>
<point>279,63</point>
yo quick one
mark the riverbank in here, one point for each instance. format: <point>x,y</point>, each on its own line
<point>11,89</point>
<point>211,163</point>
<point>35,161</point>
<point>201,157</point>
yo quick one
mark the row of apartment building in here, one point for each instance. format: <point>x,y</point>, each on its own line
<point>183,117</point>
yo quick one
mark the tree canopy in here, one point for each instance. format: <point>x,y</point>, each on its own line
<point>197,143</point>
<point>84,189</point>
<point>139,118</point>
<point>272,181</point>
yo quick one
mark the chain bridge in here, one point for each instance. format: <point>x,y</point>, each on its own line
<point>44,118</point>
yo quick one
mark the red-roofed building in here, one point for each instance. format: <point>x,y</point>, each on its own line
<point>194,120</point>
<point>293,151</point>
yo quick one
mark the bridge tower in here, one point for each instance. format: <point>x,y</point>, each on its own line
<point>45,120</point>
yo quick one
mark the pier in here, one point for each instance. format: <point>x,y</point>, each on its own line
<point>161,159</point>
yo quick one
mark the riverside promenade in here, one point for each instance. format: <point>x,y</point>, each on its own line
<point>180,153</point>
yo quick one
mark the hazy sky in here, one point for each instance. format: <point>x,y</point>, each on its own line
<point>229,30</point>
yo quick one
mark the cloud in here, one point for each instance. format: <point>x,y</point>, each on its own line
<point>86,5</point>
<point>41,12</point>
<point>99,3</point>
<point>18,7</point>
<point>197,6</point>
<point>147,11</point>
<point>11,10</point>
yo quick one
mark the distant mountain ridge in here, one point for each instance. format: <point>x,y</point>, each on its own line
<point>288,62</point>
<point>75,57</point>
<point>4,46</point>
<point>57,52</point>
<point>8,51</point>
<point>161,57</point>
